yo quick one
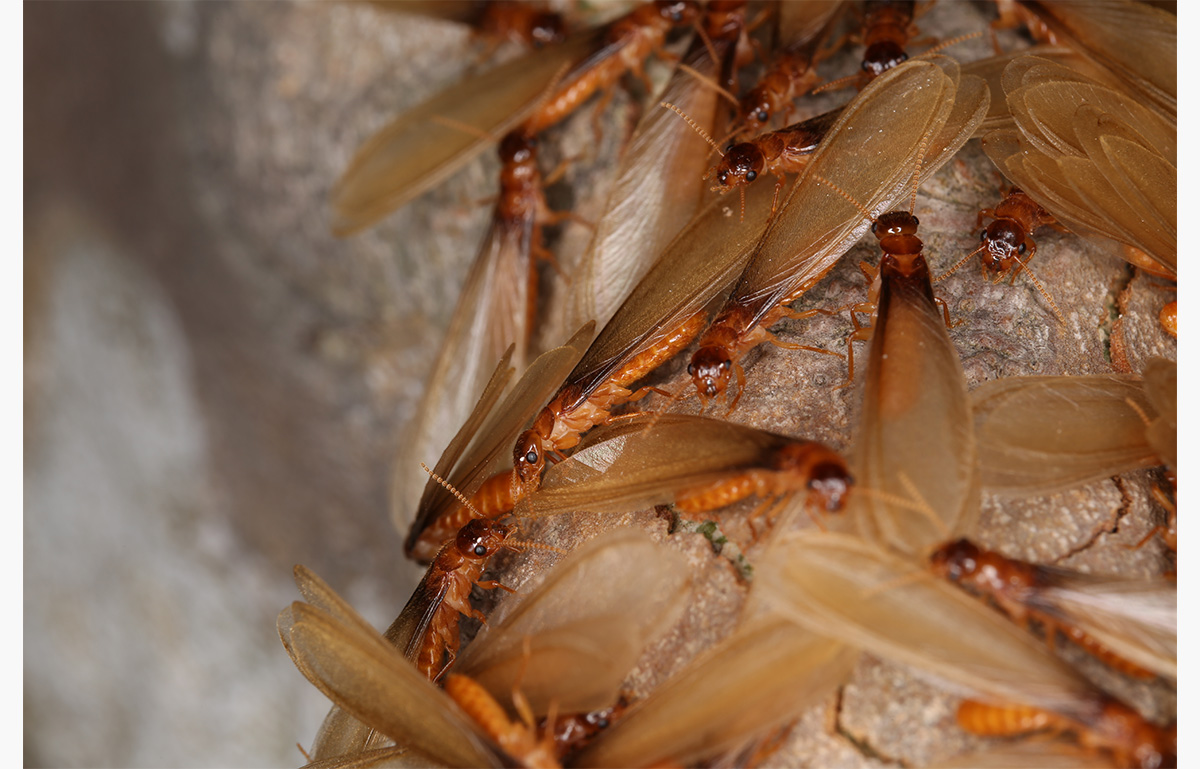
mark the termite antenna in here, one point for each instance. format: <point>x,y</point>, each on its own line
<point>1045,294</point>
<point>528,545</point>
<point>862,209</point>
<point>707,82</point>
<point>947,43</point>
<point>833,84</point>
<point>1138,410</point>
<point>958,264</point>
<point>450,488</point>
<point>300,748</point>
<point>703,134</point>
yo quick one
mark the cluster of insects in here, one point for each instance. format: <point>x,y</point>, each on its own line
<point>770,165</point>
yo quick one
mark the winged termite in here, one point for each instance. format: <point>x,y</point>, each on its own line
<point>572,640</point>
<point>887,29</point>
<point>496,308</point>
<point>845,588</point>
<point>473,460</point>
<point>1038,435</point>
<point>646,209</point>
<point>369,678</point>
<point>915,437</point>
<point>1008,238</point>
<point>695,463</point>
<point>517,739</point>
<point>786,151</point>
<point>1129,625</point>
<point>1102,31</point>
<point>804,26</point>
<point>922,109</point>
<point>1096,159</point>
<point>1042,753</point>
<point>661,316</point>
<point>496,21</point>
<point>764,675</point>
<point>427,628</point>
<point>410,155</point>
<point>1160,385</point>
<point>1115,729</point>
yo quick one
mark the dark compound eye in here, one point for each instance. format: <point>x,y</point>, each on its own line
<point>725,364</point>
<point>982,235</point>
<point>763,116</point>
<point>480,550</point>
<point>691,369</point>
<point>751,176</point>
<point>1021,249</point>
<point>916,222</point>
<point>874,225</point>
<point>531,457</point>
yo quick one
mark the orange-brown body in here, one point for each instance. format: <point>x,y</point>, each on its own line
<point>1009,236</point>
<point>1169,318</point>
<point>1008,584</point>
<point>560,424</point>
<point>515,739</point>
<point>444,594</point>
<point>887,28</point>
<point>787,150</point>
<point>521,209</point>
<point>520,22</point>
<point>498,495</point>
<point>791,76</point>
<point>802,466</point>
<point>1115,728</point>
<point>573,732</point>
<point>637,34</point>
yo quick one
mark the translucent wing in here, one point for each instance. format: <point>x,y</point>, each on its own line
<point>800,23</point>
<point>1038,435</point>
<point>656,190</point>
<point>915,116</point>
<point>376,758</point>
<point>1104,31</point>
<point>586,624</point>
<point>489,449</point>
<point>647,461</point>
<point>1159,382</point>
<point>764,675</point>
<point>697,266</point>
<point>492,314</point>
<point>847,589</point>
<point>415,152</point>
<point>1091,155</point>
<point>1135,619</point>
<point>914,452</point>
<point>369,679</point>
<point>992,70</point>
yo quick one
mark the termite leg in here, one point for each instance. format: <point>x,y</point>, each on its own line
<point>946,312</point>
<point>492,584</point>
<point>741,386</point>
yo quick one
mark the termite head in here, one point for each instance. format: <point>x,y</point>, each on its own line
<point>517,147</point>
<point>955,560</point>
<point>829,483</point>
<point>756,108</point>
<point>1003,243</point>
<point>677,12</point>
<point>895,223</point>
<point>741,164</point>
<point>545,28</point>
<point>710,369</point>
<point>882,56</point>
<point>897,234</point>
<point>1149,746</point>
<point>481,538</point>
<point>529,457</point>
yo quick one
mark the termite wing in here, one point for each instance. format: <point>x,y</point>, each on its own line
<point>1043,434</point>
<point>1094,157</point>
<point>584,626</point>
<point>657,187</point>
<point>1133,41</point>
<point>764,675</point>
<point>481,447</point>
<point>848,589</point>
<point>907,123</point>
<point>417,151</point>
<point>992,68</point>
<point>367,677</point>
<point>658,459</point>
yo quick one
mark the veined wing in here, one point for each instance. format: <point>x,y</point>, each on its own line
<point>586,625</point>
<point>414,152</point>
<point>1038,435</point>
